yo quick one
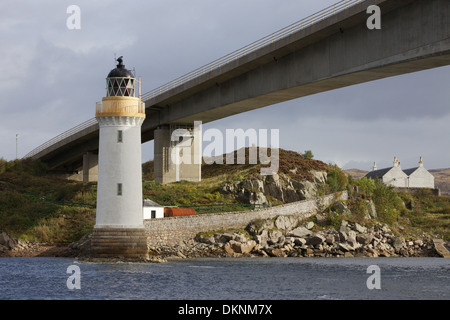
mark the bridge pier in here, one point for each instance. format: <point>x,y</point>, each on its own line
<point>177,153</point>
<point>90,167</point>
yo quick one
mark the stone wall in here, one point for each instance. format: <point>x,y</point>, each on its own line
<point>176,230</point>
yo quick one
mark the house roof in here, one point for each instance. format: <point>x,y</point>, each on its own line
<point>409,171</point>
<point>377,173</point>
<point>150,203</point>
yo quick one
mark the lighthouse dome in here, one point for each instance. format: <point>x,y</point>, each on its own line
<point>120,81</point>
<point>120,71</point>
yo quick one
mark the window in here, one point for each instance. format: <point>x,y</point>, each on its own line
<point>119,136</point>
<point>119,189</point>
<point>153,214</point>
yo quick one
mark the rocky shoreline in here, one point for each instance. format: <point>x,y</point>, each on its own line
<point>283,236</point>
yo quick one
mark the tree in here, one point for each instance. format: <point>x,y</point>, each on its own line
<point>308,154</point>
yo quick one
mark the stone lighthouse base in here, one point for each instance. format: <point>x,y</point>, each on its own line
<point>119,242</point>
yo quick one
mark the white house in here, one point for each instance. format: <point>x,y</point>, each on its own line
<point>152,210</point>
<point>419,177</point>
<point>393,176</point>
<point>410,178</point>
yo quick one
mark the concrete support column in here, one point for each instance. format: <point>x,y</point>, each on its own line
<point>90,167</point>
<point>177,153</point>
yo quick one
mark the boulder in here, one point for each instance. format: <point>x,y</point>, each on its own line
<point>228,248</point>
<point>364,239</point>
<point>309,190</point>
<point>341,208</point>
<point>343,236</point>
<point>257,198</point>
<point>344,226</point>
<point>300,241</point>
<point>309,225</point>
<point>7,241</point>
<point>315,239</point>
<point>398,243</point>
<point>319,176</point>
<point>300,232</point>
<point>344,247</point>
<point>276,252</point>
<point>275,236</point>
<point>285,223</point>
<point>330,239</point>
<point>372,212</point>
<point>359,228</point>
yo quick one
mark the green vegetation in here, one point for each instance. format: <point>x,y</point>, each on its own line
<point>40,208</point>
<point>36,206</point>
<point>336,179</point>
<point>308,154</point>
<point>406,213</point>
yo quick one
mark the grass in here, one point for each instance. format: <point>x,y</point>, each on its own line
<point>426,213</point>
<point>40,208</point>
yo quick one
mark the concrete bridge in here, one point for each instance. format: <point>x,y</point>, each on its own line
<point>331,49</point>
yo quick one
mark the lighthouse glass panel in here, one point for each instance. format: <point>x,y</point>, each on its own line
<point>120,87</point>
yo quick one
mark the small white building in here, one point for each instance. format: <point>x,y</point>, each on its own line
<point>410,178</point>
<point>152,210</point>
<point>393,176</point>
<point>419,177</point>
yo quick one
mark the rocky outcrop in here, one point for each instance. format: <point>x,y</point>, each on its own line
<point>287,237</point>
<point>7,242</point>
<point>278,186</point>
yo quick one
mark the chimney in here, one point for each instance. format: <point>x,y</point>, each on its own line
<point>375,166</point>
<point>396,163</point>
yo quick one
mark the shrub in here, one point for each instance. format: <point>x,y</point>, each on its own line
<point>387,202</point>
<point>308,154</point>
<point>336,179</point>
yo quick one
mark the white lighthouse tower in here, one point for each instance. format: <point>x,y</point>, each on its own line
<point>119,228</point>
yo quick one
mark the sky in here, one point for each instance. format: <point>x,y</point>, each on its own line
<point>52,76</point>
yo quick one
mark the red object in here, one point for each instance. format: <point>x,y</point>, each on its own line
<point>178,212</point>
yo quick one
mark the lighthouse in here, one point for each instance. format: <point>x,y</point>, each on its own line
<point>119,229</point>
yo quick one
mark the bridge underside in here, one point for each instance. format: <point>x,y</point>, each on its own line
<point>337,52</point>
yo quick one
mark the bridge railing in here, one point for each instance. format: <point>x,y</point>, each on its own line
<point>62,136</point>
<point>278,35</point>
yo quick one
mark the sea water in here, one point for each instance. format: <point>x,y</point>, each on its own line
<point>226,278</point>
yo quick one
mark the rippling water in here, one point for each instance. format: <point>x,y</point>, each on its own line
<point>220,279</point>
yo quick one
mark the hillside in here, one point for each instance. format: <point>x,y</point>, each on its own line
<point>238,184</point>
<point>442,180</point>
<point>38,207</point>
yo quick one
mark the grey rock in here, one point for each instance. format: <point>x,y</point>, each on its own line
<point>319,176</point>
<point>300,241</point>
<point>398,243</point>
<point>344,226</point>
<point>360,228</point>
<point>315,239</point>
<point>309,225</point>
<point>300,232</point>
<point>364,239</point>
<point>343,236</point>
<point>341,208</point>
<point>330,239</point>
<point>285,223</point>
<point>7,241</point>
